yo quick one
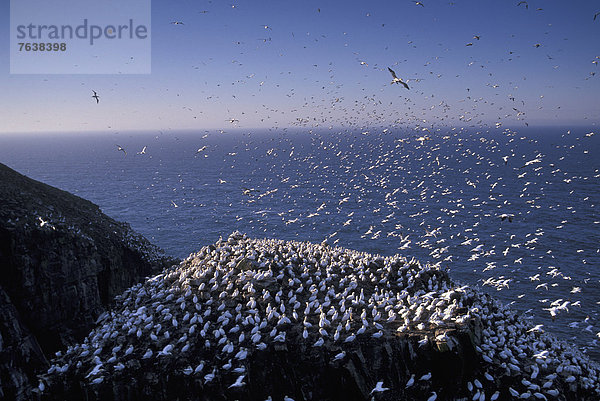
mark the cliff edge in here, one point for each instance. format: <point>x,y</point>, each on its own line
<point>62,262</point>
<point>265,319</point>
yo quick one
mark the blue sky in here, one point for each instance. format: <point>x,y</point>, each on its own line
<point>322,64</point>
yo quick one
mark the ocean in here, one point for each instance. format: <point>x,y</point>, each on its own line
<point>514,212</point>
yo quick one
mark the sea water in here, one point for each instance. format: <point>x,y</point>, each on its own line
<point>436,196</point>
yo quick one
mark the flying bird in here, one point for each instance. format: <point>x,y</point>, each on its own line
<point>379,388</point>
<point>120,149</point>
<point>177,23</point>
<point>95,96</point>
<point>143,151</point>
<point>422,139</point>
<point>596,15</point>
<point>523,2</point>
<point>418,3</point>
<point>397,80</point>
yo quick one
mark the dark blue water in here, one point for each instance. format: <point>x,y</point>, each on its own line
<point>366,191</point>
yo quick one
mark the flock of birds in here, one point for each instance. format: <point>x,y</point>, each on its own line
<point>507,210</point>
<point>207,317</point>
<point>513,213</point>
<point>484,95</point>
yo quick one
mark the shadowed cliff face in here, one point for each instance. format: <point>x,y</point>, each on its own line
<point>62,261</point>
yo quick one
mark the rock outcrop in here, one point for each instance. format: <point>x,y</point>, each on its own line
<point>250,319</point>
<point>62,262</point>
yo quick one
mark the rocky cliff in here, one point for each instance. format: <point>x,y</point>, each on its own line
<point>250,319</point>
<point>62,262</point>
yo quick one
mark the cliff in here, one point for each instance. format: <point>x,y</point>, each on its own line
<point>251,319</point>
<point>62,263</point>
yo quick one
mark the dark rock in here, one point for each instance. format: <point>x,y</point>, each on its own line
<point>62,262</point>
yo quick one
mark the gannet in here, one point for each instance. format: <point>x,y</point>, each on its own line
<point>379,388</point>
<point>397,80</point>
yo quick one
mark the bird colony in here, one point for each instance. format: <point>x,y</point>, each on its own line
<point>208,316</point>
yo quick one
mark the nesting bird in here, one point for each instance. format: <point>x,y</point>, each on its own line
<point>233,300</point>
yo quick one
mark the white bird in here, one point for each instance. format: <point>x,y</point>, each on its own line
<point>379,388</point>
<point>537,328</point>
<point>397,80</point>
<point>426,376</point>
<point>166,350</point>
<point>199,368</point>
<point>94,371</point>
<point>478,248</point>
<point>432,397</point>
<point>45,223</point>
<point>410,381</point>
<point>239,382</point>
<point>209,377</point>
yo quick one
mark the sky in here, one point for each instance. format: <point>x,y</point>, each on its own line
<point>321,64</point>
